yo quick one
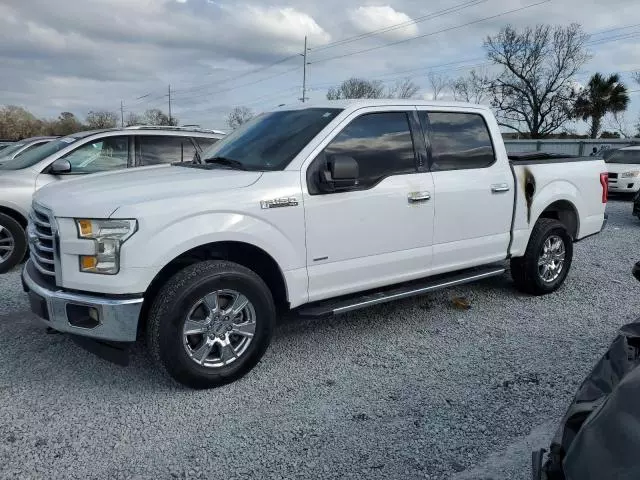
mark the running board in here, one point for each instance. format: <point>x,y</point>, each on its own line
<point>336,306</point>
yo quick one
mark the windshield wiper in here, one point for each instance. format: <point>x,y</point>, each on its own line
<point>227,162</point>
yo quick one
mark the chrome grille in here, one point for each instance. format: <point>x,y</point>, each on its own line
<point>42,240</point>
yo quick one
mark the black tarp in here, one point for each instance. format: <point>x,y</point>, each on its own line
<point>599,436</point>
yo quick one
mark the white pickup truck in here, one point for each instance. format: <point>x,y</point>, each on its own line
<point>319,209</point>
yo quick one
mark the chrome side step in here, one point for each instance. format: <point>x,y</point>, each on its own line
<point>369,298</point>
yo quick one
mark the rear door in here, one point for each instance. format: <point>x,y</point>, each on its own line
<point>379,231</point>
<point>159,149</point>
<point>474,193</point>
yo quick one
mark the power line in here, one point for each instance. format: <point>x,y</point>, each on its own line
<point>431,33</point>
<point>391,28</point>
<point>192,98</point>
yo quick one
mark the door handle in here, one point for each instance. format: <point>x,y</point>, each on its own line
<point>415,197</point>
<point>499,188</point>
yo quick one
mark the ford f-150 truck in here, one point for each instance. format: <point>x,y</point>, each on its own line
<point>319,209</point>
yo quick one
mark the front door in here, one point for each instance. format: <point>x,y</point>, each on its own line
<point>474,191</point>
<point>378,232</point>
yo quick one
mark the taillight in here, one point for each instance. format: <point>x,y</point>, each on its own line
<point>604,181</point>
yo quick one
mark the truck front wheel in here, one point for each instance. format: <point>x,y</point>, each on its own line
<point>547,260</point>
<point>211,323</point>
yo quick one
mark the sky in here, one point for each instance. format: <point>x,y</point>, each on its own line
<point>77,56</point>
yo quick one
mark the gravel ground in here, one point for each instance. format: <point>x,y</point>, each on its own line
<point>413,389</point>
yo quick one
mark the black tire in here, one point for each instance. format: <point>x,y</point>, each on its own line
<point>19,242</point>
<point>170,308</point>
<point>524,270</point>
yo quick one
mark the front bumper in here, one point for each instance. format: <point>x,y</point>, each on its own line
<point>117,318</point>
<point>624,185</point>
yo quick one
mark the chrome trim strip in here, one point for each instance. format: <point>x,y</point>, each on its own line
<point>418,291</point>
<point>41,269</point>
<point>41,259</point>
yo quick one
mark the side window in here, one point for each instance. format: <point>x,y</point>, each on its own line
<point>30,147</point>
<point>109,153</point>
<point>205,142</point>
<point>157,149</point>
<point>458,140</point>
<point>381,143</point>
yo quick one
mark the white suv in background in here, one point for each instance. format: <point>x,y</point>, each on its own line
<point>79,154</point>
<point>624,170</point>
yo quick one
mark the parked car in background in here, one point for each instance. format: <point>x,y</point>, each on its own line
<point>80,154</point>
<point>324,209</point>
<point>20,148</point>
<point>623,166</point>
<point>4,144</point>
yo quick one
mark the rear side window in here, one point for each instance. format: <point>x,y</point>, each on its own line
<point>458,140</point>
<point>157,149</point>
<point>381,143</point>
<point>205,142</point>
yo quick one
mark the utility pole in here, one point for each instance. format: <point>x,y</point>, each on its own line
<point>121,114</point>
<point>304,72</point>
<point>169,103</point>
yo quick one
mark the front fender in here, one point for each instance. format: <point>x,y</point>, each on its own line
<point>157,248</point>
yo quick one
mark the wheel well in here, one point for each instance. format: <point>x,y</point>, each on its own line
<point>15,215</point>
<point>565,213</point>
<point>243,254</point>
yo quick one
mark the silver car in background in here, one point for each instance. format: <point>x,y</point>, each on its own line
<point>21,147</point>
<point>80,154</point>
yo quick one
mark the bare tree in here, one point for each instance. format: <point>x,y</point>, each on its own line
<point>404,88</point>
<point>438,83</point>
<point>618,123</point>
<point>535,88</point>
<point>473,88</point>
<point>133,119</point>
<point>357,88</point>
<point>155,116</point>
<point>101,119</point>
<point>238,116</point>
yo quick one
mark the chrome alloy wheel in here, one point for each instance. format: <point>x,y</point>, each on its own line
<point>7,244</point>
<point>551,262</point>
<point>219,328</point>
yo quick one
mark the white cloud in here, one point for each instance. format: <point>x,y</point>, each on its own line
<point>367,19</point>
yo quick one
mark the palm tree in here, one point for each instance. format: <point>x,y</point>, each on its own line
<point>601,96</point>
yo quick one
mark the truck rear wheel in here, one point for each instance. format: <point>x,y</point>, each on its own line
<point>547,260</point>
<point>13,243</point>
<point>211,323</point>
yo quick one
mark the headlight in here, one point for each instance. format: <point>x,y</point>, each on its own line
<point>635,173</point>
<point>108,236</point>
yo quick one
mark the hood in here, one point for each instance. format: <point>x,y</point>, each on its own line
<point>99,195</point>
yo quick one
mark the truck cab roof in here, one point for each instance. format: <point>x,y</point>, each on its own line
<point>354,104</point>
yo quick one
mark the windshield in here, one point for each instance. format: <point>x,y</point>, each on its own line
<point>34,156</point>
<point>10,150</point>
<point>625,156</point>
<point>271,140</point>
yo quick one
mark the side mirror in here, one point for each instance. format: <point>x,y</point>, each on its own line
<point>340,173</point>
<point>636,271</point>
<point>60,167</point>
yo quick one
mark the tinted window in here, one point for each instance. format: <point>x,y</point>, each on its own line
<point>625,156</point>
<point>9,151</point>
<point>156,149</point>
<point>29,148</point>
<point>381,143</point>
<point>271,140</point>
<point>36,155</point>
<point>205,142</point>
<point>104,154</point>
<point>458,140</point>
